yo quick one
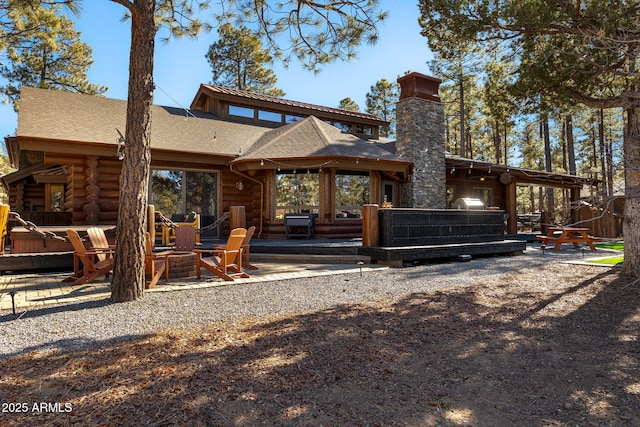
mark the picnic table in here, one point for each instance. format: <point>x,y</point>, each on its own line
<point>575,235</point>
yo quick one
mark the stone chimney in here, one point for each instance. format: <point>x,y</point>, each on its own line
<point>420,139</point>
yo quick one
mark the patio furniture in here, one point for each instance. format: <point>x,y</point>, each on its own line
<point>169,234</point>
<point>560,235</point>
<point>185,240</point>
<point>99,240</point>
<point>91,266</point>
<point>225,263</point>
<point>246,249</point>
<point>298,225</point>
<point>4,218</point>
<point>155,264</point>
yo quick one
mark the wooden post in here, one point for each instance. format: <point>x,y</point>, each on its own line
<point>510,208</point>
<point>370,230</point>
<point>151,223</point>
<point>238,218</point>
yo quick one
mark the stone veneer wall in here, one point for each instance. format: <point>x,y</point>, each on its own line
<point>420,138</point>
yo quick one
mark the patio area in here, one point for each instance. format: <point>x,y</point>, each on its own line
<point>33,290</point>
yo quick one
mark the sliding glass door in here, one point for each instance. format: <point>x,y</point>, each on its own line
<point>176,193</point>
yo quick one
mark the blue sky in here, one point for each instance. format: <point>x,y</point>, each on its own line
<point>180,65</point>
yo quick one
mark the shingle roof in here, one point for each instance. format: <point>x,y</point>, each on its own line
<point>312,137</point>
<point>64,116</point>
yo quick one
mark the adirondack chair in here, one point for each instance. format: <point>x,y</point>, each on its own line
<point>246,249</point>
<point>99,241</point>
<point>4,218</point>
<point>91,266</point>
<point>191,221</point>
<point>225,263</point>
<point>155,263</point>
<point>185,240</point>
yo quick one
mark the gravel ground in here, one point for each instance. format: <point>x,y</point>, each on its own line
<point>98,323</point>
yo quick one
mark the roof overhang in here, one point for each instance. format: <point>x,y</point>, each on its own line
<point>110,149</point>
<point>508,174</point>
<point>344,162</point>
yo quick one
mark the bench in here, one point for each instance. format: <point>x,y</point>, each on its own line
<point>559,235</point>
<point>298,225</point>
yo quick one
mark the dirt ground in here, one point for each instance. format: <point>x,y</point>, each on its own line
<point>557,346</point>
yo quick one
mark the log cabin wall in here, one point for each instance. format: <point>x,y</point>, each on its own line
<point>26,195</point>
<point>239,191</point>
<point>92,193</point>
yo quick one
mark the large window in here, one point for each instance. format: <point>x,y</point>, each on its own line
<point>297,192</point>
<point>176,193</point>
<point>352,191</point>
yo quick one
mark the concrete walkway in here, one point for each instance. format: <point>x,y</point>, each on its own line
<point>41,289</point>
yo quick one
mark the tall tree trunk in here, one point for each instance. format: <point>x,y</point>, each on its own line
<point>497,143</point>
<point>463,138</point>
<point>571,151</point>
<point>128,273</point>
<point>603,164</point>
<point>609,155</point>
<point>551,206</point>
<point>506,145</point>
<point>631,224</point>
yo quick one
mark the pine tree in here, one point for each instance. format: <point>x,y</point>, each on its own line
<point>581,52</point>
<point>348,104</point>
<point>381,101</point>
<point>238,61</point>
<point>315,33</point>
<point>49,59</point>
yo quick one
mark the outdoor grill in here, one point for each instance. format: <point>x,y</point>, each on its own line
<point>468,204</point>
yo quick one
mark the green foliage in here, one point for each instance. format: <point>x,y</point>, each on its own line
<point>238,60</point>
<point>314,32</point>
<point>578,52</point>
<point>381,101</point>
<point>348,104</point>
<point>21,20</point>
<point>166,188</point>
<point>352,190</point>
<point>53,58</point>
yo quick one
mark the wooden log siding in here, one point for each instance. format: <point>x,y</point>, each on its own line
<point>246,197</point>
<point>92,189</point>
<point>107,176</point>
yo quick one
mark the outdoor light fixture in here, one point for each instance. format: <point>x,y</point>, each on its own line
<point>120,147</point>
<point>240,185</point>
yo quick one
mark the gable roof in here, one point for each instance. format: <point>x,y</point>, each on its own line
<point>311,137</point>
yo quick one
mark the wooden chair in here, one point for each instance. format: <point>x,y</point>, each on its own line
<point>99,242</point>
<point>155,263</point>
<point>91,266</point>
<point>246,249</point>
<point>192,221</point>
<point>185,240</point>
<point>4,219</point>
<point>225,263</point>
